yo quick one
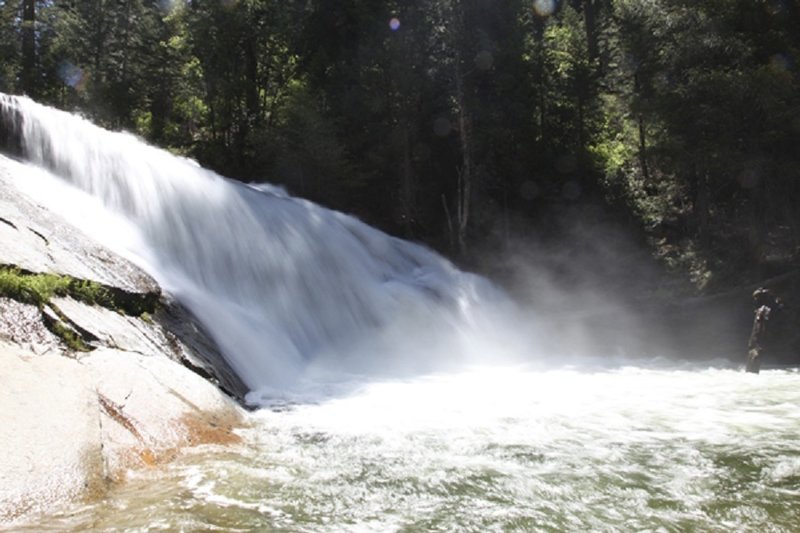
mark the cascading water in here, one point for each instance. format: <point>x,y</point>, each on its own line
<point>294,293</point>
<point>286,287</point>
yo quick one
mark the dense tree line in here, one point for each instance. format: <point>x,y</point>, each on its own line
<point>459,122</point>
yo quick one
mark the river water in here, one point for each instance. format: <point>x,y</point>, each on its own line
<point>650,446</point>
<point>397,393</point>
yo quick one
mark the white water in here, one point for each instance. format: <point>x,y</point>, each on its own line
<point>628,448</point>
<point>296,295</point>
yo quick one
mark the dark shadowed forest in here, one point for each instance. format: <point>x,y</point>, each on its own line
<point>478,127</point>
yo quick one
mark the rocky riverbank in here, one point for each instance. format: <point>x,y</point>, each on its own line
<point>100,372</point>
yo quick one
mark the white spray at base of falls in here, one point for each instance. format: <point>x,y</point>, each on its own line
<point>288,289</point>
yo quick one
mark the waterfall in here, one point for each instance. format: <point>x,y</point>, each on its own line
<point>286,287</point>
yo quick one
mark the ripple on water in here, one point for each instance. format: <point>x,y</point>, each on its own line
<point>625,449</point>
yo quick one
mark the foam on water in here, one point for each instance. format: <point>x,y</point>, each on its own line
<point>625,448</point>
<point>292,292</point>
<point>303,299</point>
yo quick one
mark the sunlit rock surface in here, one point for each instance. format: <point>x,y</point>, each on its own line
<point>51,437</point>
<point>143,388</point>
<point>38,241</point>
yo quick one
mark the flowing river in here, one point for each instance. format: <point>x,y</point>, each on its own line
<point>652,447</point>
<point>397,393</point>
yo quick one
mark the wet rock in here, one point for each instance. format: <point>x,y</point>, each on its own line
<point>196,349</point>
<point>73,427</point>
<point>37,240</point>
<point>134,433</point>
<point>92,387</point>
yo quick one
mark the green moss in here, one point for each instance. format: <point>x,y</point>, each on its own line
<point>38,289</point>
<point>72,339</point>
<point>90,292</point>
<point>34,289</point>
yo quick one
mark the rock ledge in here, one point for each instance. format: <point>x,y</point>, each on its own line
<point>99,372</point>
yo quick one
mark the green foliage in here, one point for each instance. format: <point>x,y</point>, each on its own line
<point>717,96</point>
<point>90,292</point>
<point>36,289</point>
<point>71,339</point>
<point>311,159</point>
<point>682,116</point>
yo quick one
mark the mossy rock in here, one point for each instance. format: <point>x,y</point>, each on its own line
<point>38,289</point>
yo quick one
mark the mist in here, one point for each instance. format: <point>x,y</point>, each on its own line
<point>594,294</point>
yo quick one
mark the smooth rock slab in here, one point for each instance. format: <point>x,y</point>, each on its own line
<point>151,407</point>
<point>71,427</point>
<point>50,438</point>
<point>113,329</point>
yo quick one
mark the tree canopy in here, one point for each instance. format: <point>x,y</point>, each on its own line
<point>459,123</point>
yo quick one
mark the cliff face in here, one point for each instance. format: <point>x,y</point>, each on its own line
<point>99,371</point>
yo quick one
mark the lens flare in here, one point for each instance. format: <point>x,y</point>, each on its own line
<point>167,5</point>
<point>544,8</point>
<point>394,24</point>
<point>71,75</point>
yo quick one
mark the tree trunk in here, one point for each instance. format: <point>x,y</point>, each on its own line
<point>408,184</point>
<point>700,199</point>
<point>99,44</point>
<point>642,135</point>
<point>643,151</point>
<point>122,86</point>
<point>581,120</point>
<point>464,189</point>
<point>465,173</point>
<point>449,219</point>
<point>252,88</point>
<point>590,9</point>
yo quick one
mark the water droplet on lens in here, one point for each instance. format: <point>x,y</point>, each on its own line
<point>544,8</point>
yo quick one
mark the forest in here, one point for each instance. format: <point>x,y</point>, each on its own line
<point>468,125</point>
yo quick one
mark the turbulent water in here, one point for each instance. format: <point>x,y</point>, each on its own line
<point>399,393</point>
<point>293,293</point>
<point>643,448</point>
